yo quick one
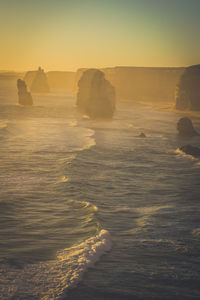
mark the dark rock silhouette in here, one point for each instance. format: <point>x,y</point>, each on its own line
<point>185,128</point>
<point>24,97</point>
<point>141,83</point>
<point>96,96</point>
<point>40,83</point>
<point>142,135</point>
<point>188,89</point>
<point>192,150</point>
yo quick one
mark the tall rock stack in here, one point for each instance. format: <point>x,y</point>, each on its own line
<point>24,97</point>
<point>96,96</point>
<point>188,89</point>
<point>40,82</point>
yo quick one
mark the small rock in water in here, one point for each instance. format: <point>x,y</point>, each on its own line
<point>142,135</point>
<point>185,128</point>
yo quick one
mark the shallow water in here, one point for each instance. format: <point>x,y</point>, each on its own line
<point>74,189</point>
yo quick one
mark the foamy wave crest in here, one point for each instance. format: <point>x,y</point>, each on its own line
<point>64,179</point>
<point>180,153</point>
<point>196,165</point>
<point>144,214</point>
<point>90,139</point>
<point>50,280</point>
<point>3,126</point>
<point>196,232</point>
<point>84,204</point>
<point>73,124</point>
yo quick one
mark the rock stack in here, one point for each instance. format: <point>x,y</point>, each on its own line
<point>40,82</point>
<point>96,96</point>
<point>24,97</point>
<point>188,89</point>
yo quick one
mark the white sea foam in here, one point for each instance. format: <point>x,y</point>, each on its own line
<point>147,210</point>
<point>64,179</point>
<point>196,232</point>
<point>144,213</point>
<point>85,204</point>
<point>196,165</point>
<point>50,280</point>
<point>73,124</point>
<point>180,153</point>
<point>90,139</point>
<point>3,125</point>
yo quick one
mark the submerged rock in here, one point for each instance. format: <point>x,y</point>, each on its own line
<point>188,89</point>
<point>142,135</point>
<point>192,150</point>
<point>185,127</point>
<point>96,96</point>
<point>24,97</point>
<point>40,82</point>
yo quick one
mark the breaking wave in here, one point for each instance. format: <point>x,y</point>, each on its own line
<point>50,280</point>
<point>180,153</point>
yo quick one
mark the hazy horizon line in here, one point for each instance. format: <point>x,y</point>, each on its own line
<point>107,67</point>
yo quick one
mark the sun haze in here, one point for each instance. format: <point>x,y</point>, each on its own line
<point>68,34</point>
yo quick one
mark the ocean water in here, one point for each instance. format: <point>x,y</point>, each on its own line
<point>90,211</point>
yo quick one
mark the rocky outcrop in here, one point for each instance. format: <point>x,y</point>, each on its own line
<point>96,96</point>
<point>141,83</point>
<point>185,128</point>
<point>40,83</point>
<point>142,135</point>
<point>24,97</point>
<point>192,150</point>
<point>29,77</point>
<point>188,89</point>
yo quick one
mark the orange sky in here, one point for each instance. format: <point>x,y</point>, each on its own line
<point>69,34</point>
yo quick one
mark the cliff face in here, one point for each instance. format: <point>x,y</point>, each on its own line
<point>188,89</point>
<point>61,80</point>
<point>140,83</point>
<point>96,96</point>
<point>130,83</point>
<point>24,97</point>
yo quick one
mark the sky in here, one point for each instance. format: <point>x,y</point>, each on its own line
<point>71,34</point>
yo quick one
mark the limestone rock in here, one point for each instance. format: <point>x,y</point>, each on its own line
<point>96,96</point>
<point>188,89</point>
<point>29,77</point>
<point>185,128</point>
<point>24,97</point>
<point>40,83</point>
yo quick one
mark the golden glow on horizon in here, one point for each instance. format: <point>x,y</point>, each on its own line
<point>67,35</point>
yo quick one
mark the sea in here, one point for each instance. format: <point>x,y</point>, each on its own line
<point>89,210</point>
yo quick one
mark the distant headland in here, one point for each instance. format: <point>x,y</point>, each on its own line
<point>176,85</point>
